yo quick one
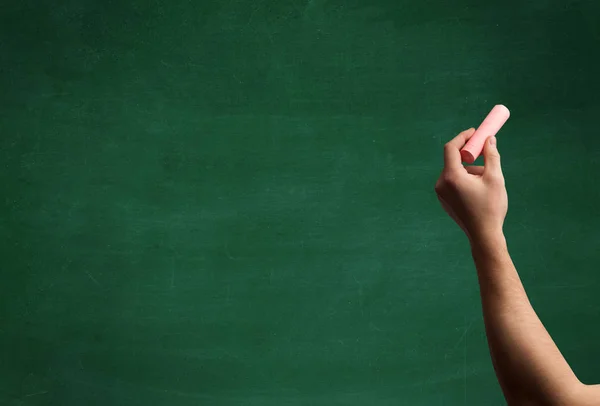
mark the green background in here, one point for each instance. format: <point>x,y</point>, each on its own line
<point>231,202</point>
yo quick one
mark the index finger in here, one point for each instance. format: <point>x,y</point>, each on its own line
<point>452,159</point>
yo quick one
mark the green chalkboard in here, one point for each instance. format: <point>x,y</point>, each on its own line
<point>231,202</point>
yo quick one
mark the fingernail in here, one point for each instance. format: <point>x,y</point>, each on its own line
<point>493,141</point>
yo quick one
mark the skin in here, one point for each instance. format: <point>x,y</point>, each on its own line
<point>529,366</point>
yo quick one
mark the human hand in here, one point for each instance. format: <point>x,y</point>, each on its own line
<point>474,196</point>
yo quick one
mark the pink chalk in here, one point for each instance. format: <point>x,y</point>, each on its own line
<point>489,128</point>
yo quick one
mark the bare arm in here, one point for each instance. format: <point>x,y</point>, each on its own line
<point>530,368</point>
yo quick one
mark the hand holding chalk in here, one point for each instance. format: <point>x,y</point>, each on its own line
<point>474,196</point>
<point>489,128</point>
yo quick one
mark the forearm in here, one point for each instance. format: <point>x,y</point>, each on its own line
<point>529,365</point>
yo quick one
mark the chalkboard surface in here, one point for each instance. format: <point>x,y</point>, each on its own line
<point>231,202</point>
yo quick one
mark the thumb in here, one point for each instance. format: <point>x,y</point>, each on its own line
<point>492,157</point>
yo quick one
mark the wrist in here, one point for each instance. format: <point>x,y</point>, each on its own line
<point>488,243</point>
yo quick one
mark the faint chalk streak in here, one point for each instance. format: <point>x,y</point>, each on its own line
<point>92,278</point>
<point>226,249</point>
<point>564,287</point>
<point>460,340</point>
<point>465,360</point>
<point>36,394</point>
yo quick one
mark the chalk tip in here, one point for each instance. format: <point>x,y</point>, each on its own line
<point>467,157</point>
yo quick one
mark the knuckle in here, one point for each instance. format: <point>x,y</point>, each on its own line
<point>448,182</point>
<point>440,187</point>
<point>449,179</point>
